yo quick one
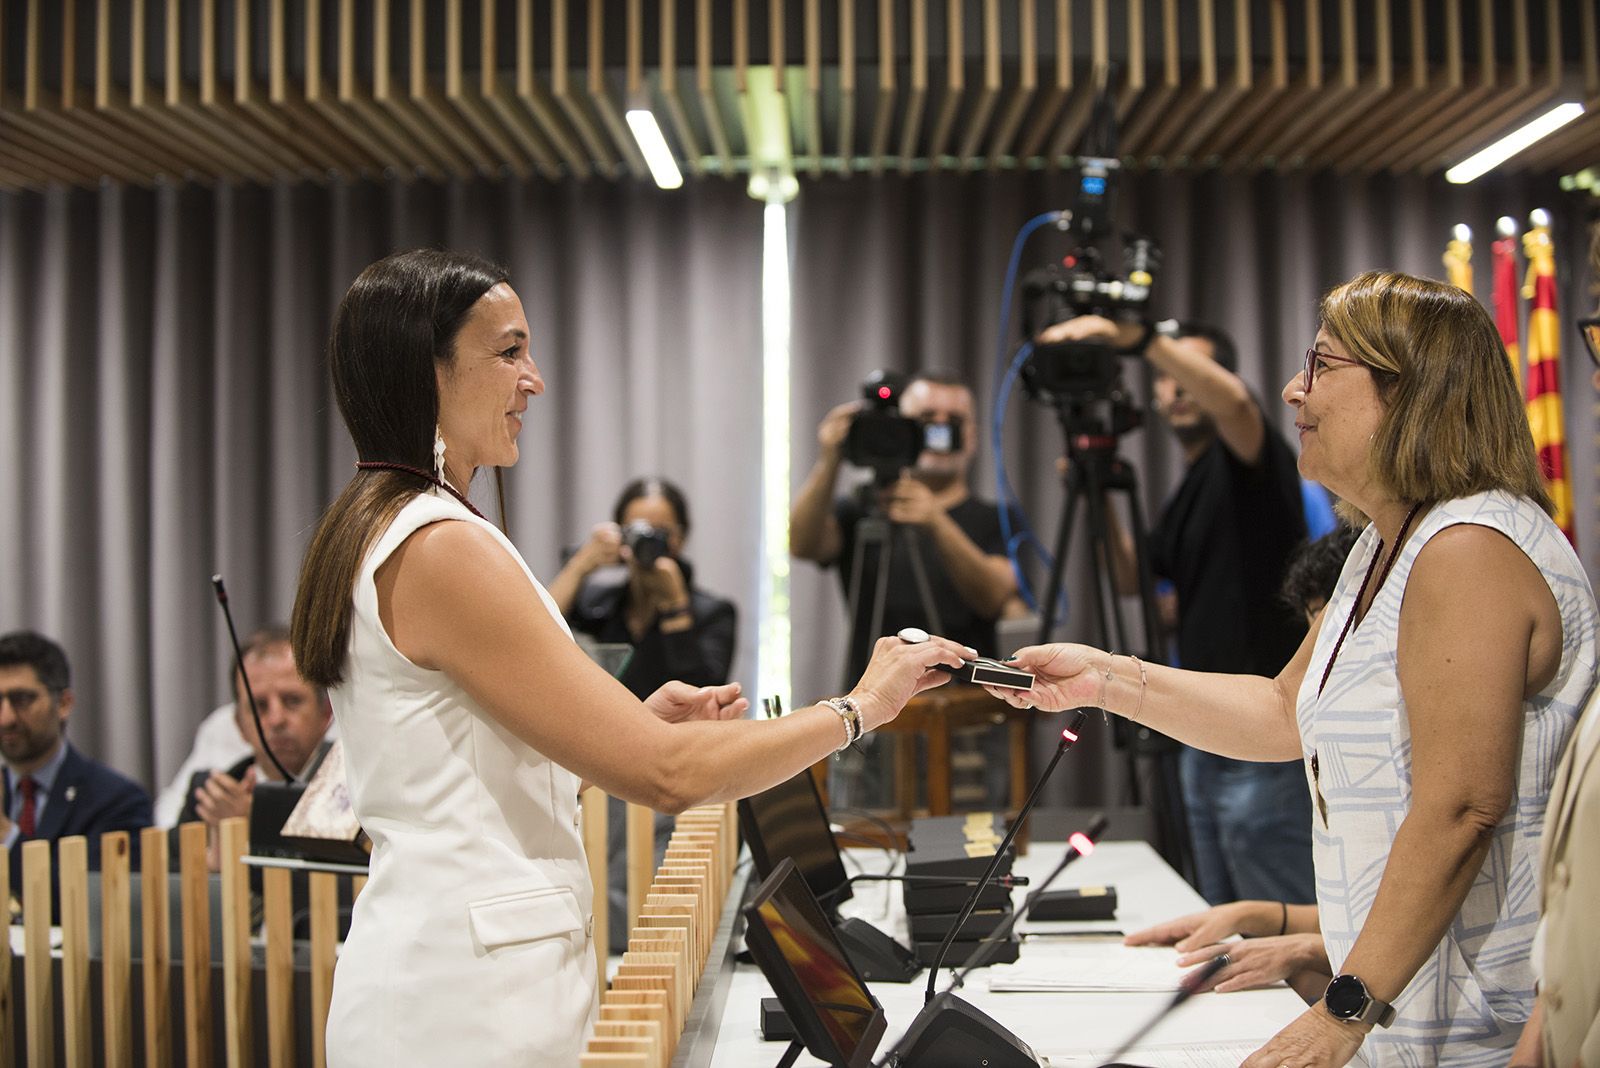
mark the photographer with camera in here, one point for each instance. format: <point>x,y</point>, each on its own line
<point>1223,539</point>
<point>677,630</point>
<point>925,492</point>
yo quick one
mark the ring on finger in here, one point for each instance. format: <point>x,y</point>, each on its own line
<point>912,635</point>
<point>1226,962</point>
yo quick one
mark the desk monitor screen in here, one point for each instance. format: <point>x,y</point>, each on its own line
<point>789,821</point>
<point>834,1014</point>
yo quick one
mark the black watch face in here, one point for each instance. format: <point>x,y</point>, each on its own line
<point>1346,997</point>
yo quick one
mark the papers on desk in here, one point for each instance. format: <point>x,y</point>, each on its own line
<point>1188,1055</point>
<point>1090,966</point>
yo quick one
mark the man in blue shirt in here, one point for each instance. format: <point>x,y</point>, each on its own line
<point>51,790</point>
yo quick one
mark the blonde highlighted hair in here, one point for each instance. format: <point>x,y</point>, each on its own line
<point>1453,422</point>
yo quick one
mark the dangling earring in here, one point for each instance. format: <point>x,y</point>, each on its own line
<point>438,453</point>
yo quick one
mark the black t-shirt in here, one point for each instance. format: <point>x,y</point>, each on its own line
<point>902,605</point>
<point>1224,539</point>
<point>700,655</point>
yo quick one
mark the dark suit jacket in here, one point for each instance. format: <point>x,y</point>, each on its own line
<point>87,798</point>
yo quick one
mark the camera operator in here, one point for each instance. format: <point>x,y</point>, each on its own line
<point>970,578</point>
<point>1223,539</point>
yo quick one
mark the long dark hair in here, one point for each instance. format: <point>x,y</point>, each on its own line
<point>396,325</point>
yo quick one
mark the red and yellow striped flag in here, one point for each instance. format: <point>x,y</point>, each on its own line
<point>1507,306</point>
<point>1544,371</point>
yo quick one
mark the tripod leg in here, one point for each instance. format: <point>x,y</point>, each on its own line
<point>919,571</point>
<point>871,563</point>
<point>1052,590</point>
<point>1110,608</point>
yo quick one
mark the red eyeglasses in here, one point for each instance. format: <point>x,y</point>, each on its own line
<point>1313,357</point>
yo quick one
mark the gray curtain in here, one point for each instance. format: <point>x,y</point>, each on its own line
<point>906,273</point>
<point>165,413</point>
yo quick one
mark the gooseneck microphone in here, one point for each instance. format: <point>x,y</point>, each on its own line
<point>1187,989</point>
<point>1069,738</point>
<point>1079,844</point>
<point>238,658</point>
<point>949,1032</point>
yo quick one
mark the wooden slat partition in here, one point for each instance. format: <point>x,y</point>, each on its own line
<point>238,1032</point>
<point>667,951</point>
<point>595,848</point>
<point>278,919</point>
<point>116,950</point>
<point>77,1022</point>
<point>193,880</point>
<point>8,1015</point>
<point>156,945</point>
<point>324,935</point>
<point>641,852</point>
<point>38,989</point>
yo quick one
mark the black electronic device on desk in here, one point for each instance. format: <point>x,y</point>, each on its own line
<point>948,854</point>
<point>834,1015</point>
<point>788,822</point>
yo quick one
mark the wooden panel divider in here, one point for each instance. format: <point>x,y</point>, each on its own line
<point>156,947</point>
<point>77,1024</point>
<point>38,987</point>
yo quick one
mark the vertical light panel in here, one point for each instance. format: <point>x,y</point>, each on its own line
<point>773,656</point>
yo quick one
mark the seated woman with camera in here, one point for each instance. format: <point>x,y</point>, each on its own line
<point>677,630</point>
<point>651,603</point>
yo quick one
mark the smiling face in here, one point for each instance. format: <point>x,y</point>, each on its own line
<point>1337,419</point>
<point>484,391</point>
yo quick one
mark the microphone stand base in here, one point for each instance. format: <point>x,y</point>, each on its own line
<point>951,1033</point>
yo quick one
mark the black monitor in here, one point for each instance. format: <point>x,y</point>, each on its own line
<point>833,1013</point>
<point>789,821</point>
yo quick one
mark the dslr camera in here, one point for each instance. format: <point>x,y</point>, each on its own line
<point>647,543</point>
<point>882,439</point>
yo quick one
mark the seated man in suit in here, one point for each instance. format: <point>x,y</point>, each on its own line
<point>295,716</point>
<point>52,791</point>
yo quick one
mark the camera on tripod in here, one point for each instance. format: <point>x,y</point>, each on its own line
<point>1079,372</point>
<point>882,439</point>
<point>647,543</point>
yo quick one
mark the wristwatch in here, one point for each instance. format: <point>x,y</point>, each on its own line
<point>1347,999</point>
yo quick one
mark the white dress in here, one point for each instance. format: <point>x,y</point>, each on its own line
<point>1467,1003</point>
<point>471,943</point>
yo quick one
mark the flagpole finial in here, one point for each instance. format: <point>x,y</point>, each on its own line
<point>1538,217</point>
<point>1506,226</point>
<point>1462,232</point>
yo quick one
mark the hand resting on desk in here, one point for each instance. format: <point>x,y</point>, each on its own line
<point>1265,957</point>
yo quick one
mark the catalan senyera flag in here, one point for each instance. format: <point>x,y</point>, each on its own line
<point>1544,373</point>
<point>1507,305</point>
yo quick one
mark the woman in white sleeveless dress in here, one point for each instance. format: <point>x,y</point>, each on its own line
<point>1432,699</point>
<point>469,716</point>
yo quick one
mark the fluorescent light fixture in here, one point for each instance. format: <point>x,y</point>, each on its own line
<point>1482,162</point>
<point>657,156</point>
<point>773,653</point>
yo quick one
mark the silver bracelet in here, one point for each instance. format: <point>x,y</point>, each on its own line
<point>850,715</point>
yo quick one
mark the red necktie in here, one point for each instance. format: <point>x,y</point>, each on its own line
<point>27,788</point>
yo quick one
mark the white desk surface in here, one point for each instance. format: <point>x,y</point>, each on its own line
<point>1056,1025</point>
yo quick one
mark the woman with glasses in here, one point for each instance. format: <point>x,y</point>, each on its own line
<point>1433,696</point>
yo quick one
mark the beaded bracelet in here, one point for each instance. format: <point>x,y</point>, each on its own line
<point>850,716</point>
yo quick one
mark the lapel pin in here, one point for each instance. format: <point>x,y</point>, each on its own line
<point>72,792</point>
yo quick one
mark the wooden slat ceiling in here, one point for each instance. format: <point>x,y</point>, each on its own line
<point>140,91</point>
